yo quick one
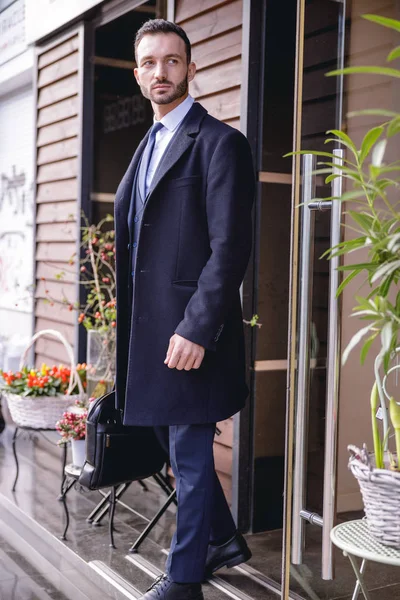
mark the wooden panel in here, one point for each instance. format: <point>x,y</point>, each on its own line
<point>58,151</point>
<point>58,131</point>
<point>63,169</point>
<point>59,232</point>
<point>215,79</point>
<point>52,251</point>
<point>51,323</point>
<point>186,9</point>
<point>59,312</point>
<point>226,436</point>
<point>223,459</point>
<point>214,23</point>
<point>51,271</point>
<point>58,91</point>
<point>56,212</point>
<point>219,49</point>
<point>59,70</point>
<point>235,123</point>
<point>52,349</point>
<point>223,106</point>
<point>58,52</point>
<point>58,291</point>
<point>58,111</point>
<point>59,190</point>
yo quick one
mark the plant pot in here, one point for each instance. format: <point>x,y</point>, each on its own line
<point>380,490</point>
<point>101,362</point>
<point>78,452</point>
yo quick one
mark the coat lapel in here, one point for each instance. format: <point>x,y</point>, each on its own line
<point>181,142</point>
<point>124,192</point>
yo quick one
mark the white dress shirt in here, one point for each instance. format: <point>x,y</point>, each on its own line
<point>171,122</point>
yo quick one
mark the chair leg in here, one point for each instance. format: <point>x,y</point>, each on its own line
<point>66,487</point>
<point>360,577</point>
<point>63,475</point>
<point>14,447</point>
<point>101,506</point>
<point>102,509</point>
<point>111,516</point>
<point>153,522</point>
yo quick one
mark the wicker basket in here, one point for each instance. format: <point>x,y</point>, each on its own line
<point>380,489</point>
<point>42,412</point>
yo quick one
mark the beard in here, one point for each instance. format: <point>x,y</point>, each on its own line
<point>176,92</point>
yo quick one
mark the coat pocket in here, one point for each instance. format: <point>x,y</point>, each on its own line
<point>185,283</point>
<point>185,181</point>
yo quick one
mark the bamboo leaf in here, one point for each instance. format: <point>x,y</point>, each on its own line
<point>393,127</point>
<point>366,347</point>
<point>385,21</point>
<point>386,337</point>
<point>357,337</point>
<point>364,70</point>
<point>343,138</point>
<point>370,138</point>
<point>395,53</point>
<point>345,282</point>
<point>385,269</point>
<point>379,112</point>
<point>378,153</point>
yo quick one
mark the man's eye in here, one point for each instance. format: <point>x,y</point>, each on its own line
<point>173,61</point>
<point>147,62</point>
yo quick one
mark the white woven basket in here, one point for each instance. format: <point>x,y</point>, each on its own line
<point>380,489</point>
<point>43,412</point>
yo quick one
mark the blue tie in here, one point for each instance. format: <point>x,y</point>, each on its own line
<point>146,158</point>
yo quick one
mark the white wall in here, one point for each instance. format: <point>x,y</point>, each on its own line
<point>16,197</point>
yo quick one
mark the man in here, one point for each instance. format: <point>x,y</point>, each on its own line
<point>183,240</point>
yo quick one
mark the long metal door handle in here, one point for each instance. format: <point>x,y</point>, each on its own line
<point>332,384</point>
<point>303,362</point>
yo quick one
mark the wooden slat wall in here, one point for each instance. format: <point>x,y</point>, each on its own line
<point>214,28</point>
<point>56,194</point>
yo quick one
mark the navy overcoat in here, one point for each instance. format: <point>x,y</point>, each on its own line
<point>193,250</point>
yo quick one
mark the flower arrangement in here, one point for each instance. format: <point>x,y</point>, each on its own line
<point>46,381</point>
<point>72,426</point>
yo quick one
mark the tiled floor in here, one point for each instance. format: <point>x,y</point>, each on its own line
<point>20,581</point>
<point>37,492</point>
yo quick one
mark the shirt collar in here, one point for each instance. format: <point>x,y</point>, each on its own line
<point>176,116</point>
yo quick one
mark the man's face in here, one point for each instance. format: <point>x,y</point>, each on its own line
<point>162,72</point>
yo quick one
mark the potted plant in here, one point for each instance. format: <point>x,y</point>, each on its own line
<point>38,397</point>
<point>372,183</point>
<point>72,428</point>
<point>98,313</point>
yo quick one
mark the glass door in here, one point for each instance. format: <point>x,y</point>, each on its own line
<point>312,377</point>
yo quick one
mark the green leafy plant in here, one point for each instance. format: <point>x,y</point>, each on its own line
<point>372,183</point>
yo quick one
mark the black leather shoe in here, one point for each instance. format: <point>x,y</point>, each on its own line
<point>234,552</point>
<point>163,588</point>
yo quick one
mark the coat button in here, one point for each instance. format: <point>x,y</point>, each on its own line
<point>128,246</point>
<point>136,219</point>
<point>134,244</point>
<point>133,273</point>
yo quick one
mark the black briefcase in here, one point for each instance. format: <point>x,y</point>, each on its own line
<point>116,453</point>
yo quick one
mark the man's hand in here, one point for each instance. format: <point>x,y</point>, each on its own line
<point>183,354</point>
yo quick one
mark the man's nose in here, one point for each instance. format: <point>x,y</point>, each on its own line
<point>160,72</point>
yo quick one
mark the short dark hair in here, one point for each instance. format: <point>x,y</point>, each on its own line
<point>153,26</point>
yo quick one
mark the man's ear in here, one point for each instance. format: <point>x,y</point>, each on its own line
<point>136,74</point>
<point>191,71</point>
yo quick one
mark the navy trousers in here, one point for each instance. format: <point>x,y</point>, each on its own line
<point>203,515</point>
